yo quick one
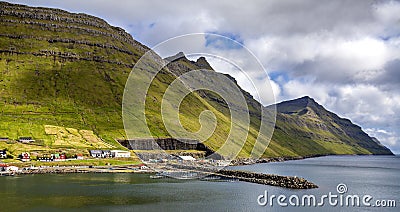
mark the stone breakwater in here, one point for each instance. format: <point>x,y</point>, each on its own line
<point>252,177</point>
<point>269,179</point>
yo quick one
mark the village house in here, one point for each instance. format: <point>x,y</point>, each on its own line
<point>26,140</point>
<point>5,139</point>
<point>52,157</point>
<point>79,156</point>
<point>44,158</point>
<point>58,157</point>
<point>107,154</point>
<point>3,154</point>
<point>143,167</point>
<point>25,157</point>
<point>120,154</point>
<point>96,153</point>
<point>100,153</point>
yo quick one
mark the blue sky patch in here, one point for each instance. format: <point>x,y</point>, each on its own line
<point>219,42</point>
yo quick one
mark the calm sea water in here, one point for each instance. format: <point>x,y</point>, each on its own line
<point>378,176</point>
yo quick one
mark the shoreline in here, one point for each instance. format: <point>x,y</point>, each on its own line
<point>250,161</point>
<point>251,177</point>
<point>133,168</point>
<point>246,176</point>
<point>77,169</point>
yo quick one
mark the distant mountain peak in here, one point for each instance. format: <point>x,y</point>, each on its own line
<point>178,56</point>
<point>308,114</point>
<point>203,63</point>
<point>296,105</point>
<point>307,99</point>
<point>200,63</point>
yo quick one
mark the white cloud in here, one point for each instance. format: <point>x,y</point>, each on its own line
<point>387,14</point>
<point>324,57</point>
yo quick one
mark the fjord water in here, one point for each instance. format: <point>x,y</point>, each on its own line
<point>378,176</point>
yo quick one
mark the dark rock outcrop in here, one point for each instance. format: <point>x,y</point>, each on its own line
<point>166,144</point>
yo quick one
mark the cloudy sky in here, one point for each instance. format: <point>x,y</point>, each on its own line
<point>344,54</point>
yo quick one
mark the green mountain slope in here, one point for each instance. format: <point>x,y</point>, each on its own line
<point>62,69</point>
<point>307,128</point>
<point>62,77</point>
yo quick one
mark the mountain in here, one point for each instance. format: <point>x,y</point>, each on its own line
<point>62,77</point>
<point>305,127</point>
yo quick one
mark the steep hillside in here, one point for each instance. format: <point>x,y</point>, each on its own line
<point>62,77</point>
<point>64,70</point>
<point>304,127</point>
<point>67,71</point>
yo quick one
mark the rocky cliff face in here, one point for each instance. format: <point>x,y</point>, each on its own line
<point>76,30</point>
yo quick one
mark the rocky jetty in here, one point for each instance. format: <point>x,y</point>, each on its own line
<point>269,179</point>
<point>291,182</point>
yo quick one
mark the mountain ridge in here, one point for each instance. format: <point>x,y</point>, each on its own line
<point>341,128</point>
<point>68,71</point>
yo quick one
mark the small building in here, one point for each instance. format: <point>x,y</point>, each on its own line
<point>96,153</point>
<point>120,154</point>
<point>187,158</point>
<point>44,158</point>
<point>25,157</point>
<point>143,167</point>
<point>26,140</point>
<point>5,139</point>
<point>63,157</point>
<point>3,154</point>
<point>107,154</point>
<point>100,153</point>
<point>58,157</point>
